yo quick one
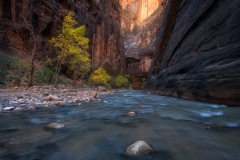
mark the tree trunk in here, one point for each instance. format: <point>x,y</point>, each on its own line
<point>59,65</point>
<point>74,81</point>
<point>32,62</point>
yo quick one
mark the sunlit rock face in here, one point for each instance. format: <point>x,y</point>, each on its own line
<point>140,22</point>
<point>102,20</point>
<point>197,53</point>
<point>147,8</point>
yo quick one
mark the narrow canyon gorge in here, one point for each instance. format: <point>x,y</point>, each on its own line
<point>119,79</point>
<point>185,49</point>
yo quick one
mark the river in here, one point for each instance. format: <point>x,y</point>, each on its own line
<point>101,130</point>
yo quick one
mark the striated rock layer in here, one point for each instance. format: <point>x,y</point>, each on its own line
<point>102,19</point>
<point>197,54</point>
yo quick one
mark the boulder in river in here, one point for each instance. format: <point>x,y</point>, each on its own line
<point>55,125</point>
<point>132,114</point>
<point>138,148</point>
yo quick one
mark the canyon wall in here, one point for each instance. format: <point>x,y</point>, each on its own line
<point>140,22</point>
<point>102,19</point>
<point>197,55</point>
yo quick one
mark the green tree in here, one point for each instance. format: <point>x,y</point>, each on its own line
<point>72,47</point>
<point>100,77</point>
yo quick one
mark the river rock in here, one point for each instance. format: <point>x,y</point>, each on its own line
<point>31,108</point>
<point>57,103</point>
<point>132,114</point>
<point>93,94</point>
<point>102,89</point>
<point>138,148</point>
<point>51,97</point>
<point>55,125</point>
<point>8,108</point>
<point>14,102</point>
<point>216,126</point>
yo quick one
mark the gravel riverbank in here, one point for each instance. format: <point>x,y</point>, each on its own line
<point>20,98</point>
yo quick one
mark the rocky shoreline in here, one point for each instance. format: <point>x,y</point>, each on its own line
<point>22,98</point>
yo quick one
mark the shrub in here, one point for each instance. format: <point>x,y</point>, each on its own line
<point>100,77</point>
<point>44,75</point>
<point>121,81</point>
<point>13,70</point>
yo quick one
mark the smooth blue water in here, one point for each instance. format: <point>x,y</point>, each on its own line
<point>175,128</point>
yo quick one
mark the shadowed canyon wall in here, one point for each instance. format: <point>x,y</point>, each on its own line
<point>197,55</point>
<point>101,17</point>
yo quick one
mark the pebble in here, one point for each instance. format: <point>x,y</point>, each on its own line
<point>55,125</point>
<point>8,108</point>
<point>102,89</point>
<point>31,108</point>
<point>13,102</point>
<point>51,98</point>
<point>42,96</point>
<point>57,103</point>
<point>132,114</point>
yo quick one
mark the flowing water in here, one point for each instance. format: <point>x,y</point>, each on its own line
<point>176,129</point>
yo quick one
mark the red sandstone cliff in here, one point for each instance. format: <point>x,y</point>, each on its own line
<point>102,19</point>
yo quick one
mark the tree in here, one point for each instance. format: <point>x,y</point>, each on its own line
<point>100,77</point>
<point>71,46</point>
<point>34,39</point>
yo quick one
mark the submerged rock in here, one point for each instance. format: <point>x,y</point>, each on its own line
<point>138,148</point>
<point>216,126</point>
<point>55,125</point>
<point>132,114</point>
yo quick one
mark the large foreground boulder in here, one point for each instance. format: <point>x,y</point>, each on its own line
<point>138,148</point>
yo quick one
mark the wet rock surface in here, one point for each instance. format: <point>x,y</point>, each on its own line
<point>55,125</point>
<point>17,98</point>
<point>131,114</point>
<point>138,148</point>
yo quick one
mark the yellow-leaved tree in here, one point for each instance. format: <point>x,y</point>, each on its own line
<point>72,48</point>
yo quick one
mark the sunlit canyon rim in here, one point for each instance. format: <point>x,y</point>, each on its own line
<point>187,49</point>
